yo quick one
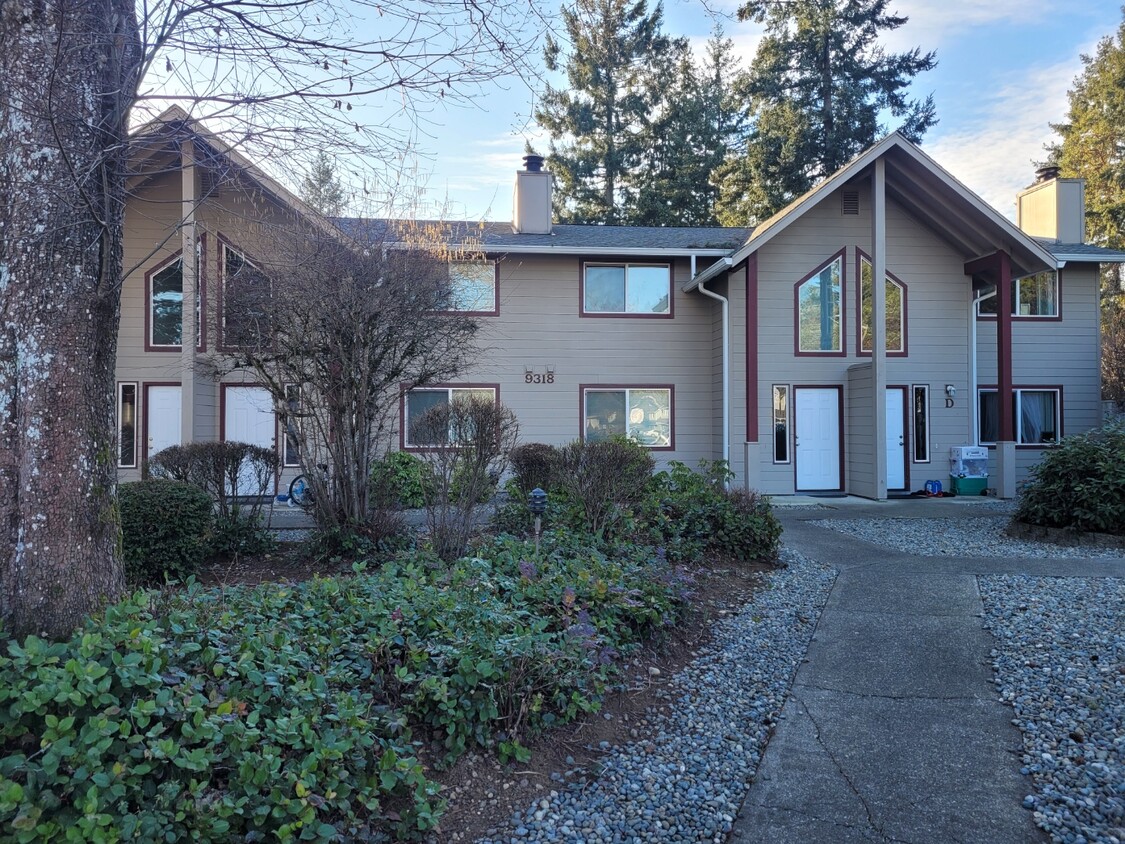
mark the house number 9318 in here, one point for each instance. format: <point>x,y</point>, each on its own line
<point>539,377</point>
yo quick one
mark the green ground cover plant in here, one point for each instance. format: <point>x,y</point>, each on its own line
<point>1079,484</point>
<point>304,712</point>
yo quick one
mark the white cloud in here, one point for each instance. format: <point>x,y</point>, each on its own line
<point>933,22</point>
<point>993,153</point>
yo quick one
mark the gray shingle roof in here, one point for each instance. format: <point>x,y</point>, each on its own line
<point>564,238</point>
<point>1083,251</point>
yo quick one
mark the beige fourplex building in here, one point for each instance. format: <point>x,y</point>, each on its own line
<point>720,367</point>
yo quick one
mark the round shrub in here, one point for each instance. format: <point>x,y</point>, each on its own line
<point>533,465</point>
<point>401,479</point>
<point>1080,484</point>
<point>165,527</point>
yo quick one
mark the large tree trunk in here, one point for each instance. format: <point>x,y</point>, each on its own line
<point>67,78</point>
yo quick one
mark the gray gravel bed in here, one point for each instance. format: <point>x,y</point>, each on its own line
<point>685,778</point>
<point>963,536</point>
<point>1060,663</point>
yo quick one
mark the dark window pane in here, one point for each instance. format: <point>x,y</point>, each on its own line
<point>605,414</point>
<point>989,418</point>
<point>921,424</point>
<point>417,403</point>
<point>247,306</point>
<point>168,305</point>
<point>292,455</point>
<point>127,426</point>
<point>781,424</point>
<point>605,289</point>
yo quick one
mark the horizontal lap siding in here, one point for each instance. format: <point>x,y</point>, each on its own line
<point>539,325</point>
<point>937,319</point>
<point>860,425</point>
<point>1054,352</point>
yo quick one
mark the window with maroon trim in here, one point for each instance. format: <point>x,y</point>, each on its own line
<point>780,423</point>
<point>643,414</point>
<point>627,289</point>
<point>247,303</point>
<point>895,314</point>
<point>1032,296</point>
<point>472,287</point>
<point>820,312</point>
<point>166,305</point>
<point>127,425</point>
<point>1037,414</point>
<point>421,399</point>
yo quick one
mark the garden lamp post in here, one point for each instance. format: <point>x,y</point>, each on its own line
<point>537,503</point>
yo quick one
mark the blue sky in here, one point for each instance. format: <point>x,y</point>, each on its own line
<point>1004,67</point>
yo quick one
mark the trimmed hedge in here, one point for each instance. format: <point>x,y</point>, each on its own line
<point>294,712</point>
<point>165,529</point>
<point>1079,484</point>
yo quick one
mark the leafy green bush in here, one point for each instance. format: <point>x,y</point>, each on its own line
<point>690,511</point>
<point>285,712</point>
<point>1079,484</point>
<point>533,465</point>
<point>165,528</point>
<point>401,478</point>
<point>238,476</point>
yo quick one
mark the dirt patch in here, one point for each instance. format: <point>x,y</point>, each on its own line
<point>290,561</point>
<point>483,794</point>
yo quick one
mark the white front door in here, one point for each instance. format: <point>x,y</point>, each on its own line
<point>163,417</point>
<point>896,438</point>
<point>816,420</point>
<point>249,418</point>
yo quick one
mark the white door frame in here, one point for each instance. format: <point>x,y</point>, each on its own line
<point>838,434</point>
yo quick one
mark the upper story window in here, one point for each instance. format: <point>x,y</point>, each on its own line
<point>166,305</point>
<point>896,310</point>
<point>1037,415</point>
<point>472,287</point>
<point>820,312</point>
<point>247,302</point>
<point>1032,296</point>
<point>641,413</point>
<point>627,290</point>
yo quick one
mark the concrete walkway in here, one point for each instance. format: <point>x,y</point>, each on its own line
<point>893,731</point>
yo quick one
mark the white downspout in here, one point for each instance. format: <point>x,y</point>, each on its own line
<point>974,434</point>
<point>726,364</point>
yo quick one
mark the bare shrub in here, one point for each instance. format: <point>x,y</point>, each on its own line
<point>467,443</point>
<point>533,465</point>
<point>605,478</point>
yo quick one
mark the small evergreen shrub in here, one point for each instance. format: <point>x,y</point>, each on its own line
<point>533,465</point>
<point>165,529</point>
<point>401,479</point>
<point>1079,484</point>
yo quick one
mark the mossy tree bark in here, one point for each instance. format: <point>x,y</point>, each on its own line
<point>67,80</point>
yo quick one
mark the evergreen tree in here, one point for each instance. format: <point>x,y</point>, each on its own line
<point>1090,148</point>
<point>688,135</point>
<point>322,189</point>
<point>814,94</point>
<point>596,124</point>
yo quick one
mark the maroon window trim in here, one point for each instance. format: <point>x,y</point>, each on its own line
<point>1017,318</point>
<point>201,282</point>
<point>221,285</point>
<point>405,389</point>
<point>841,256</point>
<point>860,255</point>
<point>611,262</point>
<point>992,388</point>
<point>671,388</point>
<point>136,419</point>
<point>495,294</point>
<point>839,430</point>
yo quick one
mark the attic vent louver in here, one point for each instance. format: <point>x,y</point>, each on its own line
<point>849,202</point>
